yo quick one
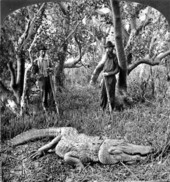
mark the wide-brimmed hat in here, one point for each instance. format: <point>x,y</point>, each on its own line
<point>109,44</point>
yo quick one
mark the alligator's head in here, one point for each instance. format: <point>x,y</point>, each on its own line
<point>114,151</point>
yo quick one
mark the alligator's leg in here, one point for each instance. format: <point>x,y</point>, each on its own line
<point>72,158</point>
<point>41,151</point>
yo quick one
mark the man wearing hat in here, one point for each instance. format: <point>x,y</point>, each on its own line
<point>43,78</point>
<point>110,67</point>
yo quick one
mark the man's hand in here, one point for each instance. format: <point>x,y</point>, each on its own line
<point>111,72</point>
<point>105,74</point>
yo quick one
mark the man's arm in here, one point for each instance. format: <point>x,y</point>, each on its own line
<point>98,70</point>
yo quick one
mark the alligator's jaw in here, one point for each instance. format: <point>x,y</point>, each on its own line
<point>114,151</point>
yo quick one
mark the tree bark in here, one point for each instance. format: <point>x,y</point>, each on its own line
<point>22,102</point>
<point>122,79</point>
<point>59,71</point>
<point>17,81</point>
<point>60,68</point>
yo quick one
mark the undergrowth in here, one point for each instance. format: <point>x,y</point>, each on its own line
<point>146,122</point>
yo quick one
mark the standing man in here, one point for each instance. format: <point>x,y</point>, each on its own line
<point>110,67</point>
<point>43,80</point>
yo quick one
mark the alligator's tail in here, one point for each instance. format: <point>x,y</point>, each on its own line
<point>39,133</point>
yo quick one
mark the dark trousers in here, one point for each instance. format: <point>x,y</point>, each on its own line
<point>46,91</point>
<point>111,83</point>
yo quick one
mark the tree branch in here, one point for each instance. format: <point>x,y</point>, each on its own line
<point>79,47</point>
<point>149,61</point>
<point>33,42</point>
<point>152,44</point>
<point>20,69</point>
<point>24,35</point>
<point>29,29</point>
<point>63,8</point>
<point>71,33</point>
<point>135,32</point>
<point>13,76</point>
<point>162,55</point>
<point>22,103</point>
<point>73,63</point>
<point>147,22</point>
<point>143,61</point>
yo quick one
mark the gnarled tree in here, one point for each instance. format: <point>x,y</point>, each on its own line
<point>148,57</point>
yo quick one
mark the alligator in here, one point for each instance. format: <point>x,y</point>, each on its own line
<point>78,148</point>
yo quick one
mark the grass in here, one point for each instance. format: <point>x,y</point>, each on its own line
<point>145,123</point>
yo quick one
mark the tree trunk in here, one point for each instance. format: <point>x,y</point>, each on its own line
<point>122,80</point>
<point>59,73</point>
<point>22,102</point>
<point>17,81</point>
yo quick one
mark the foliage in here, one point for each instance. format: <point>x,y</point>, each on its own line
<point>151,27</point>
<point>53,33</point>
